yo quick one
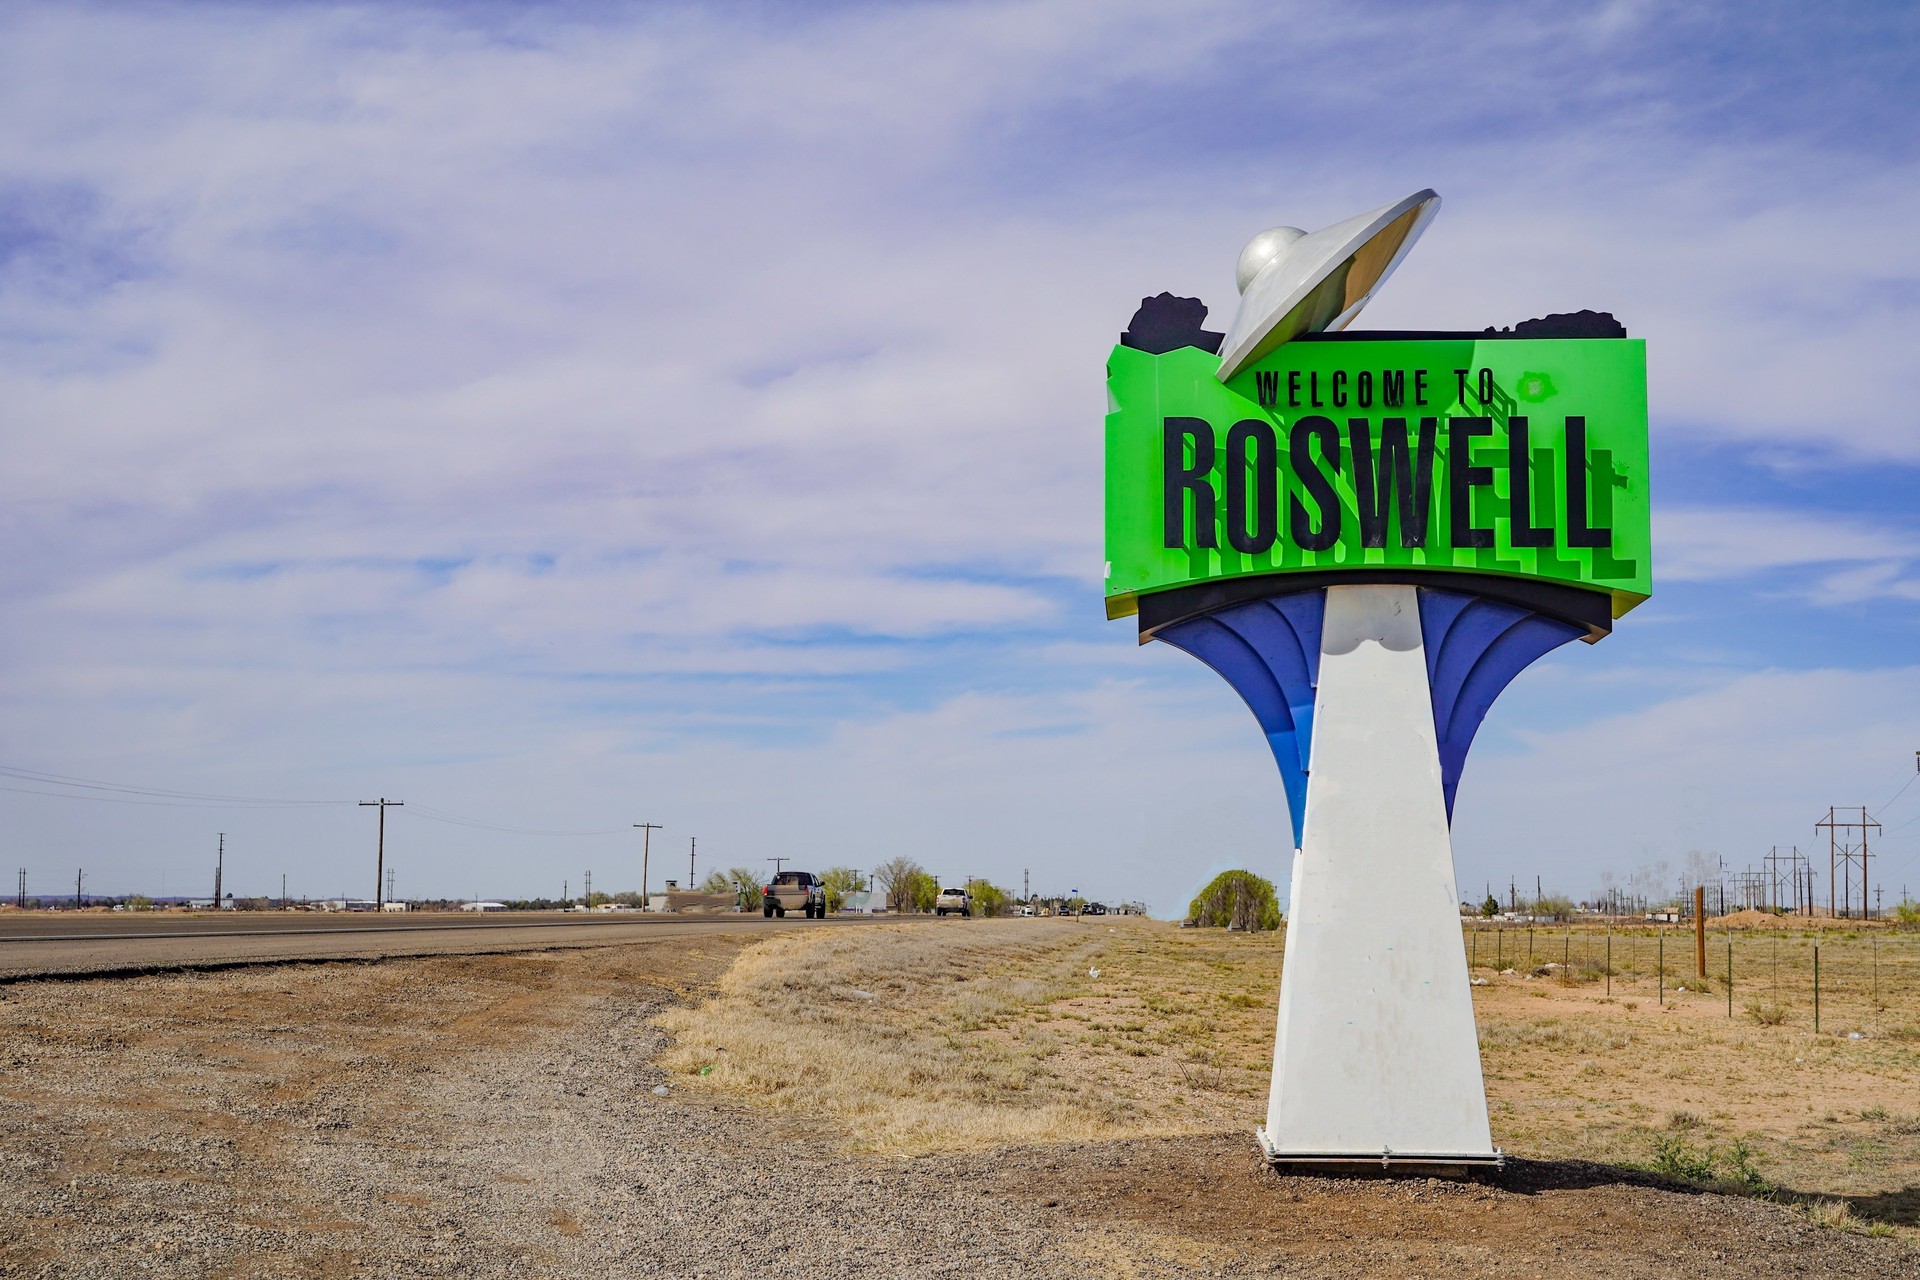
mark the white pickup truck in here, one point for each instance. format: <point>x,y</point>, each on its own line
<point>957,901</point>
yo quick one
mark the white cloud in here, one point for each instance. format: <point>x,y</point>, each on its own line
<point>1708,543</point>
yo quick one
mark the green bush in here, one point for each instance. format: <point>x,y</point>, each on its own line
<point>989,899</point>
<point>838,883</point>
<point>741,882</point>
<point>1236,900</point>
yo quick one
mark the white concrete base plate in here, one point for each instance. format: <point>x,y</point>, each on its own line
<point>1425,1164</point>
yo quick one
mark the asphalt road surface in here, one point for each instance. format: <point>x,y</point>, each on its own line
<point>59,944</point>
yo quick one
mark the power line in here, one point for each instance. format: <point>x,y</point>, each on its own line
<point>177,804</point>
<point>1903,786</point>
<point>130,789</point>
<point>480,824</point>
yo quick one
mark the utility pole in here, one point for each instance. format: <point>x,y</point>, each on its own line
<point>1026,887</point>
<point>566,889</point>
<point>23,888</point>
<point>693,844</point>
<point>587,900</point>
<point>219,868</point>
<point>1513,895</point>
<point>78,876</point>
<point>389,884</point>
<point>646,847</point>
<point>283,891</point>
<point>776,864</point>
<point>380,853</point>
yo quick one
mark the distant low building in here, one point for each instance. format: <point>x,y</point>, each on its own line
<point>483,906</point>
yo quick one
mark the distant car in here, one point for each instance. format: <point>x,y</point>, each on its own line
<point>955,901</point>
<point>794,891</point>
<point>1025,911</point>
<point>1093,909</point>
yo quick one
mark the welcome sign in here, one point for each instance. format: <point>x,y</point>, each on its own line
<point>1489,454</point>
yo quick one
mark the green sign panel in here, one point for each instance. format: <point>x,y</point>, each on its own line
<point>1525,457</point>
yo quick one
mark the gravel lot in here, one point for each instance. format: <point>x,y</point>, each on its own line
<point>495,1116</point>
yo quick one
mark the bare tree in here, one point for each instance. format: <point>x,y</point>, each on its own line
<point>900,875</point>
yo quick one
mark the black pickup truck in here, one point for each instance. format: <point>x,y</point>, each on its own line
<point>795,891</point>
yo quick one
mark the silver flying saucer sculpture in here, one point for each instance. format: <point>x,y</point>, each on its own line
<point>1292,282</point>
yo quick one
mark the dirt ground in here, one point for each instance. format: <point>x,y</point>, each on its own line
<point>498,1116</point>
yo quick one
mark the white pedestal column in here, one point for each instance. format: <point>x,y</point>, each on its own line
<point>1376,1057</point>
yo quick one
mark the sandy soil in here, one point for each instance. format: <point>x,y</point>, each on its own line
<point>496,1116</point>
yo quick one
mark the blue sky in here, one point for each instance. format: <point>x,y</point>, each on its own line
<point>572,416</point>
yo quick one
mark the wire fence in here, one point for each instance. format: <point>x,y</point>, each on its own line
<point>1839,982</point>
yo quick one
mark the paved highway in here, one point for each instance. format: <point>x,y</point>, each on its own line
<point>49,944</point>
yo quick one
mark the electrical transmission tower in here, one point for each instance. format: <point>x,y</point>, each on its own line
<point>389,884</point>
<point>1787,883</point>
<point>1842,857</point>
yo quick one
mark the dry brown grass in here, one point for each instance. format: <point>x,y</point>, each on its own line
<point>994,1032</point>
<point>918,1037</point>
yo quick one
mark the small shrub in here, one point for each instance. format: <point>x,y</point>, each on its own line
<point>1831,1213</point>
<point>1203,1070</point>
<point>1743,1168</point>
<point>1767,1015</point>
<point>1684,1120</point>
<point>1673,1158</point>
